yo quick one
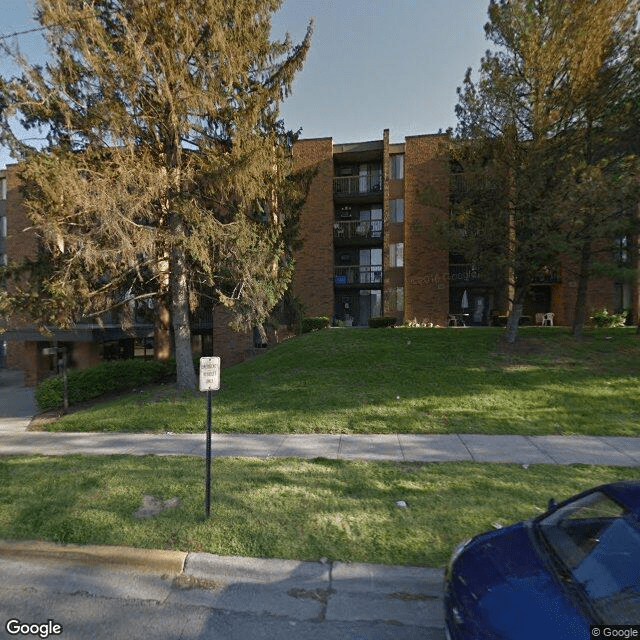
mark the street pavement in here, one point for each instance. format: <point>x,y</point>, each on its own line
<point>299,593</point>
<point>199,595</point>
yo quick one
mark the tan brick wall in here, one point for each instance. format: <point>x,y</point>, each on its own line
<point>313,280</point>
<point>426,265</point>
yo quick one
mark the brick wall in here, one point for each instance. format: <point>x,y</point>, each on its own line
<point>313,280</point>
<point>426,265</point>
<point>21,242</point>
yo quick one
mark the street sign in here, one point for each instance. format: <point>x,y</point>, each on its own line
<point>210,374</point>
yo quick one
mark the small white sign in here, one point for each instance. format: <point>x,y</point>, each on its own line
<point>210,374</point>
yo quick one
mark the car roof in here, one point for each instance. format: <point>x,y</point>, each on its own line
<point>625,493</point>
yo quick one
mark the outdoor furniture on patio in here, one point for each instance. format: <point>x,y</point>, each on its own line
<point>539,318</point>
<point>458,319</point>
<point>547,321</point>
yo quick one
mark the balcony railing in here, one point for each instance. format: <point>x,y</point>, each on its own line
<point>358,275</point>
<point>346,186</point>
<point>357,230</point>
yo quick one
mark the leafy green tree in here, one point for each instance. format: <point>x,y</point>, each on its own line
<point>522,136</point>
<point>167,173</point>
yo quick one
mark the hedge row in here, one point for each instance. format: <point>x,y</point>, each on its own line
<point>314,324</point>
<point>377,322</point>
<point>106,377</point>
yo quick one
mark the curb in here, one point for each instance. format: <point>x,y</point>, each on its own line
<point>147,560</point>
<point>209,567</point>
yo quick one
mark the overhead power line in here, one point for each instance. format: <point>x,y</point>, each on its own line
<point>21,33</point>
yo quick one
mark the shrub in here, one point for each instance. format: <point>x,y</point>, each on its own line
<point>377,322</point>
<point>602,318</point>
<point>106,377</point>
<point>314,324</point>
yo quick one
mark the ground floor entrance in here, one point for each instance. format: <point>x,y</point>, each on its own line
<point>354,307</point>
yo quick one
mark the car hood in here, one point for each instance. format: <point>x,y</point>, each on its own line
<point>502,584</point>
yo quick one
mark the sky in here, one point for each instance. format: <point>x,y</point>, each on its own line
<point>373,64</point>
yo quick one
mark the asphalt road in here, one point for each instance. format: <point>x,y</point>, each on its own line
<point>81,602</point>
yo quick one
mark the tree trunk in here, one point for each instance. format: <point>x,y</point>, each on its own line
<point>513,323</point>
<point>581,296</point>
<point>161,313</point>
<point>185,371</point>
<point>516,313</point>
<point>161,332</point>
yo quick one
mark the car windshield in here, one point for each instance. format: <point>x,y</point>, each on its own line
<point>598,542</point>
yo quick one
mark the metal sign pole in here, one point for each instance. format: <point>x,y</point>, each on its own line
<point>207,498</point>
<point>209,381</point>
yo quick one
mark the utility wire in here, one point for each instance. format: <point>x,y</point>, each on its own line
<point>21,33</point>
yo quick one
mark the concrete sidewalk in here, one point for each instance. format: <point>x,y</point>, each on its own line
<point>17,406</point>
<point>607,450</point>
<point>17,402</point>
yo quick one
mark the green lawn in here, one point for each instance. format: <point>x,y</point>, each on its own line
<point>279,508</point>
<point>406,380</point>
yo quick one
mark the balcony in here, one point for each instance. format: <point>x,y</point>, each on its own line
<point>364,276</point>
<point>357,186</point>
<point>350,231</point>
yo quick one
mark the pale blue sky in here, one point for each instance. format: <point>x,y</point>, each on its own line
<point>373,64</point>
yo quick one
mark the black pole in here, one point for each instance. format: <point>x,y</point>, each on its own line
<point>65,383</point>
<point>207,498</point>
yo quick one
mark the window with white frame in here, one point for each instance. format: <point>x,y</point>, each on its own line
<point>3,188</point>
<point>396,206</point>
<point>396,254</point>
<point>397,166</point>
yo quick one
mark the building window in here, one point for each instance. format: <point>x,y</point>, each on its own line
<point>396,251</point>
<point>370,265</point>
<point>3,188</point>
<point>397,166</point>
<point>396,299</point>
<point>397,209</point>
<point>370,305</point>
<point>622,252</point>
<point>3,226</point>
<point>370,178</point>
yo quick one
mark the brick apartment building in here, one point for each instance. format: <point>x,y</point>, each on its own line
<point>369,249</point>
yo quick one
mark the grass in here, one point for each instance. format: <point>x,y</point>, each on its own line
<point>279,508</point>
<point>405,380</point>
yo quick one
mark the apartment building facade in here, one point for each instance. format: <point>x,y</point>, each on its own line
<point>369,242</point>
<point>369,248</point>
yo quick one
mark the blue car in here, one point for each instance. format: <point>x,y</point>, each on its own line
<point>555,576</point>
